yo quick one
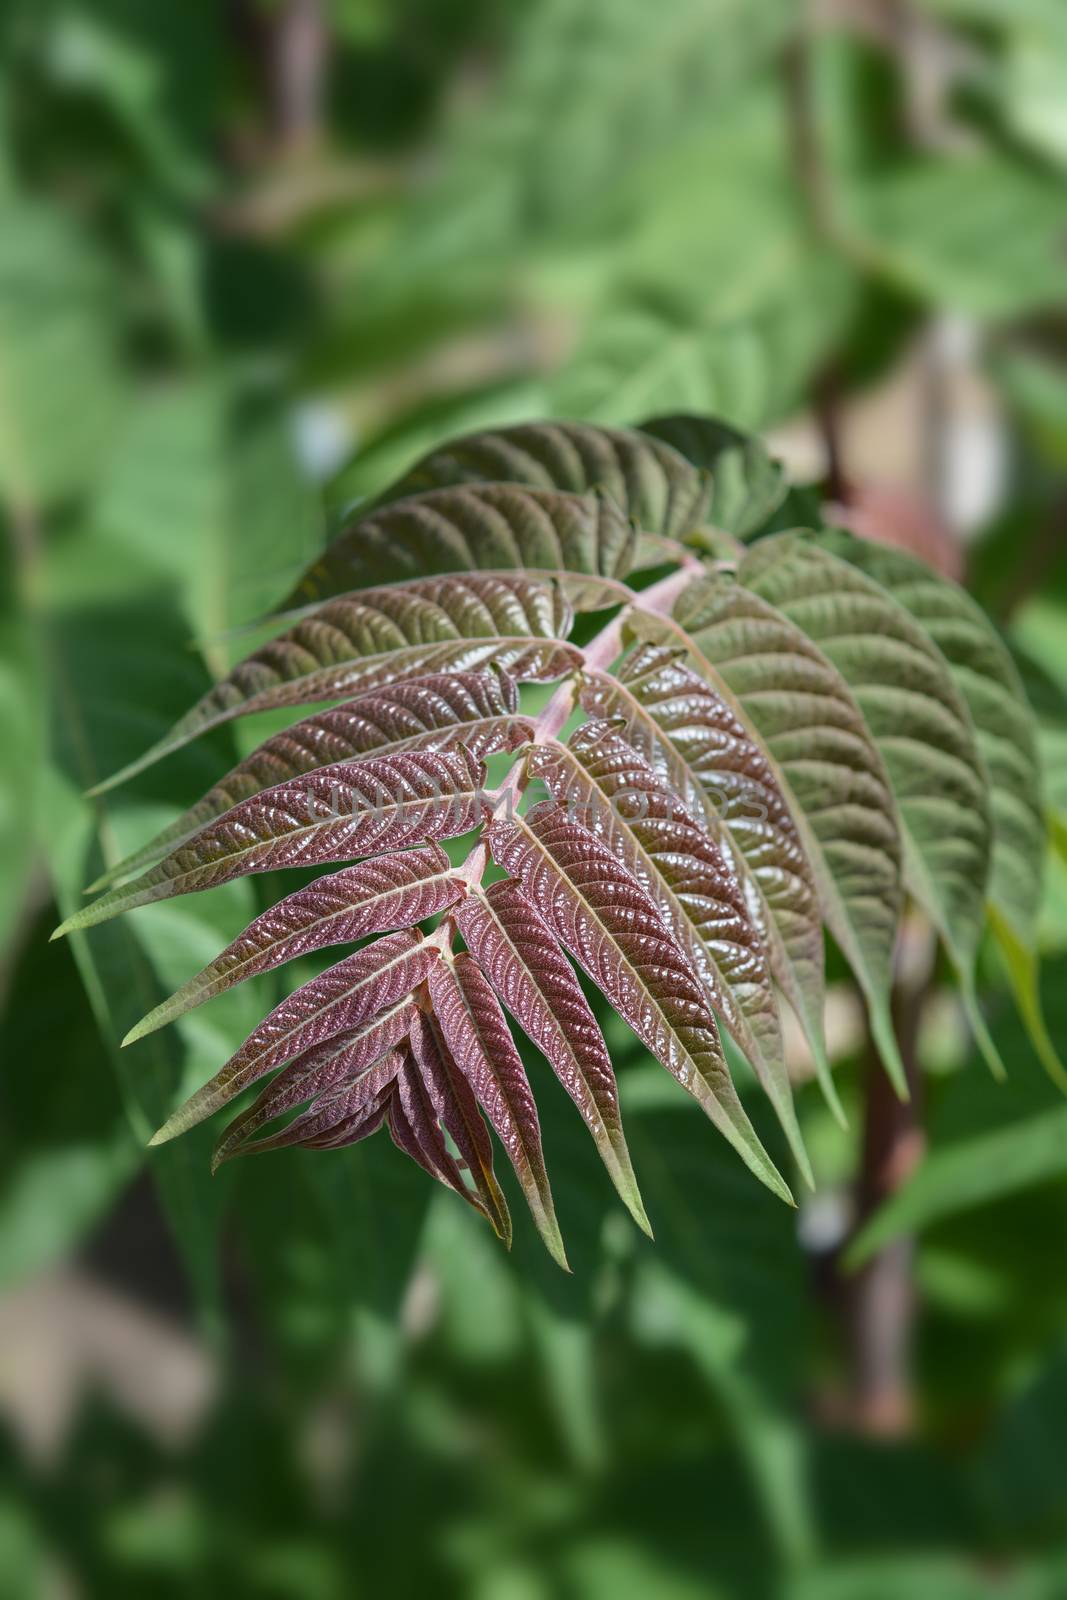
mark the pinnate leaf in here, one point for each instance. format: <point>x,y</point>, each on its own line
<point>476,1034</point>
<point>379,896</point>
<point>747,483</point>
<point>351,1110</point>
<point>336,813</point>
<point>521,957</point>
<point>457,1111</point>
<point>1005,730</point>
<point>474,528</point>
<point>613,929</point>
<point>380,637</point>
<point>415,1129</point>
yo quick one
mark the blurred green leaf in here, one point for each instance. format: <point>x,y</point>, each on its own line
<point>60,392</point>
<point>977,234</point>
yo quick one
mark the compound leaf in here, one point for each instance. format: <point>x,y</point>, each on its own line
<point>688,733</point>
<point>807,721</point>
<point>920,721</point>
<point>317,1071</point>
<point>610,788</point>
<point>474,709</point>
<point>748,485</point>
<point>339,1000</point>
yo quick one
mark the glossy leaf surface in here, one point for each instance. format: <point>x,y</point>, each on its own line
<point>692,736</point>
<point>332,814</point>
<point>381,637</point>
<point>476,1034</point>
<point>478,527</point>
<point>521,957</point>
<point>391,892</point>
<point>807,721</point>
<point>338,1001</point>
<point>612,927</point>
<point>612,791</point>
<point>476,710</point>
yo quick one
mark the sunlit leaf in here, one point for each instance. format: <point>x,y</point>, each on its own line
<point>653,485</point>
<point>475,710</point>
<point>691,735</point>
<point>1006,733</point>
<point>611,926</point>
<point>920,721</point>
<point>487,527</point>
<point>381,637</point>
<point>520,956</point>
<point>377,896</point>
<point>317,1072</point>
<point>806,719</point>
<point>457,1111</point>
<point>336,813</point>
<point>476,1033</point>
<point>607,786</point>
<point>338,1001</point>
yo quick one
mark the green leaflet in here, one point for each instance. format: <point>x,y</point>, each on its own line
<point>805,718</point>
<point>473,528</point>
<point>1006,733</point>
<point>652,484</point>
<point>747,483</point>
<point>922,725</point>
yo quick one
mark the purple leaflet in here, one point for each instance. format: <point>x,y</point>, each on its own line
<point>522,959</point>
<point>351,1111</point>
<point>337,1001</point>
<point>415,1130</point>
<point>378,637</point>
<point>613,791</point>
<point>476,1032</point>
<point>316,1071</point>
<point>475,709</point>
<point>374,897</point>
<point>457,1111</point>
<point>352,1129</point>
<point>614,930</point>
<point>338,813</point>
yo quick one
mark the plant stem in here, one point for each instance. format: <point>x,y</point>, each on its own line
<point>600,652</point>
<point>880,1299</point>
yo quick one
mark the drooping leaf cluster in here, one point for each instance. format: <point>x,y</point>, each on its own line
<point>786,741</point>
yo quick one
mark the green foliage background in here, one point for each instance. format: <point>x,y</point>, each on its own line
<point>229,306</point>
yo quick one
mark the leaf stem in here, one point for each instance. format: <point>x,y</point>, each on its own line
<point>657,600</point>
